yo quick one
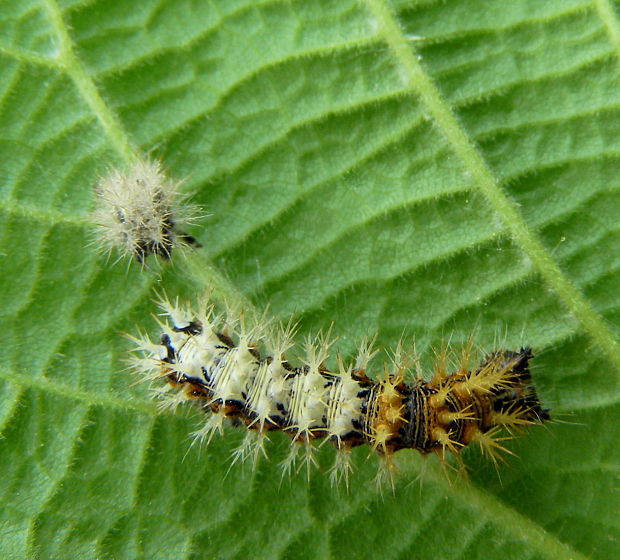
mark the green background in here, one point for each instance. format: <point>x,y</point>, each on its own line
<point>427,167</point>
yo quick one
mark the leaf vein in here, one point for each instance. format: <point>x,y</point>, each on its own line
<point>421,85</point>
<point>42,384</point>
<point>25,57</point>
<point>87,87</point>
<point>608,16</point>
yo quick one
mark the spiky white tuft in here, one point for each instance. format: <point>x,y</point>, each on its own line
<point>139,212</point>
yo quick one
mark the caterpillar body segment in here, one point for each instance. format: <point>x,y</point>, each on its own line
<point>243,378</point>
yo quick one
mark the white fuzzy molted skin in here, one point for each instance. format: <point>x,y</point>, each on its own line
<point>138,212</point>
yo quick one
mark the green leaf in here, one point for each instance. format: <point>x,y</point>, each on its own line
<point>426,167</point>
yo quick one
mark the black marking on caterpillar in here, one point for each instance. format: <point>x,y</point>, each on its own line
<point>214,361</point>
<point>141,212</point>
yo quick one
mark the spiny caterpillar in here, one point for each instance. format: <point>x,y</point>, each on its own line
<point>139,212</point>
<point>214,361</point>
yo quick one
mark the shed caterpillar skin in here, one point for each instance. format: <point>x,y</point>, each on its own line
<point>140,212</point>
<point>214,361</point>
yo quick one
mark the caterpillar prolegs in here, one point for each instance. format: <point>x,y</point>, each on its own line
<point>241,375</point>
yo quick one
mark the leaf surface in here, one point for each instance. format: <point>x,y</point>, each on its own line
<point>434,168</point>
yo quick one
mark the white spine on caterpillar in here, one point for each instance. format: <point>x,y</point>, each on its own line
<point>268,392</point>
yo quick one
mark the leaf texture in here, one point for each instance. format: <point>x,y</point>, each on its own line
<point>427,167</point>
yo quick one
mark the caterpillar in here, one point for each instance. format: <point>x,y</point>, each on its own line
<point>139,212</point>
<point>240,374</point>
